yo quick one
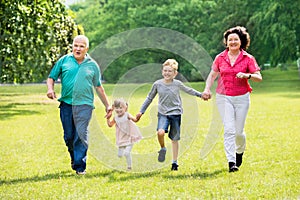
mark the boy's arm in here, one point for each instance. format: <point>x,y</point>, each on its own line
<point>190,90</point>
<point>149,98</point>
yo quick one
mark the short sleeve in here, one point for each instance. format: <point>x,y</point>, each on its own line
<point>57,69</point>
<point>215,65</point>
<point>97,77</point>
<point>252,65</point>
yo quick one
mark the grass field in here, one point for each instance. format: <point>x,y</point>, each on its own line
<point>35,164</point>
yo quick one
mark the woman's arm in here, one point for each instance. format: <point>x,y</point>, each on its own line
<point>206,94</point>
<point>256,76</point>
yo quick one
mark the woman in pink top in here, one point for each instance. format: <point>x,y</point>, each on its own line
<point>127,133</point>
<point>234,67</point>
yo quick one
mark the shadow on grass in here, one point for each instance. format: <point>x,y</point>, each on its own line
<point>52,176</point>
<point>113,176</point>
<point>197,175</point>
<point>13,109</point>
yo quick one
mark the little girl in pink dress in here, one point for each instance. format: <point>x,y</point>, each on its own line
<point>127,133</point>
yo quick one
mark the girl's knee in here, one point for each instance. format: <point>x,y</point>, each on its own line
<point>126,153</point>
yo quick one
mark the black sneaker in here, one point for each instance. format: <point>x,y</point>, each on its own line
<point>72,165</point>
<point>232,167</point>
<point>174,167</point>
<point>239,159</point>
<point>81,173</point>
<point>162,155</point>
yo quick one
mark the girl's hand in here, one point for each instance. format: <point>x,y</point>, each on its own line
<point>108,114</point>
<point>138,116</point>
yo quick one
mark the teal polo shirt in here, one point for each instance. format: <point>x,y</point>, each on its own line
<point>66,68</point>
<point>77,80</point>
<point>87,78</point>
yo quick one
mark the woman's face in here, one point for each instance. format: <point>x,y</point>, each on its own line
<point>233,42</point>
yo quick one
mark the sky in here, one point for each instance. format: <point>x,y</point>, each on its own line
<point>69,2</point>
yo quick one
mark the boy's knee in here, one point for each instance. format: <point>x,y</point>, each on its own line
<point>161,132</point>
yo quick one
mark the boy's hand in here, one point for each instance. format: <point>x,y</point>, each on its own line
<point>138,116</point>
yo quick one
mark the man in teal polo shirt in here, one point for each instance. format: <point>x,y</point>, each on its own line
<point>79,74</point>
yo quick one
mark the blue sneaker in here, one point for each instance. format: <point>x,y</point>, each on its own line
<point>162,155</point>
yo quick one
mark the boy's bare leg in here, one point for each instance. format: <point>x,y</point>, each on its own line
<point>161,140</point>
<point>161,137</point>
<point>175,148</point>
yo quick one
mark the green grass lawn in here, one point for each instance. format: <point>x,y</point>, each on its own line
<point>35,164</point>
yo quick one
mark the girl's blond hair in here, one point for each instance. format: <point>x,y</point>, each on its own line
<point>120,101</point>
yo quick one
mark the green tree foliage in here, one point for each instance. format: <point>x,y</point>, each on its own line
<point>276,30</point>
<point>273,26</point>
<point>34,34</point>
<point>105,19</point>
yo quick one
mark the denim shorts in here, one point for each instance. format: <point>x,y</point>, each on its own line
<point>174,121</point>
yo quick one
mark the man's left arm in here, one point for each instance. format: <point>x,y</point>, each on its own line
<point>102,96</point>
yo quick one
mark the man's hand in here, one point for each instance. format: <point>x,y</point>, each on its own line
<point>109,111</point>
<point>51,94</point>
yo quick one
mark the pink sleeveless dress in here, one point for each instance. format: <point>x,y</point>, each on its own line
<point>127,131</point>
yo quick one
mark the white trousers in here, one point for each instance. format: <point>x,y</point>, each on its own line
<point>233,111</point>
<point>126,151</point>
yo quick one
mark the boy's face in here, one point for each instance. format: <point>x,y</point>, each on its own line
<point>168,73</point>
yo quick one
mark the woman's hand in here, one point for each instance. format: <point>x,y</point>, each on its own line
<point>206,94</point>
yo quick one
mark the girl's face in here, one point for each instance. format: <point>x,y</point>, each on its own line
<point>168,73</point>
<point>120,110</point>
<point>233,42</point>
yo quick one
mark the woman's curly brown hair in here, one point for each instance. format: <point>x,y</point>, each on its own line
<point>242,33</point>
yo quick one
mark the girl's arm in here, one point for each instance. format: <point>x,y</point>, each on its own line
<point>132,118</point>
<point>110,123</point>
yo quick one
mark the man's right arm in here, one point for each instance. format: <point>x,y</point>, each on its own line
<point>50,85</point>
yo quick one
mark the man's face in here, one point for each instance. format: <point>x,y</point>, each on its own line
<point>79,49</point>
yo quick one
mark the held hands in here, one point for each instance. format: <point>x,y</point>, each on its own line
<point>206,94</point>
<point>138,116</point>
<point>109,111</point>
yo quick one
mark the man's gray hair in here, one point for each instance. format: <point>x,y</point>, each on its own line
<point>82,37</point>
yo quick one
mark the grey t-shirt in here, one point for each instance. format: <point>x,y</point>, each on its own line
<point>169,102</point>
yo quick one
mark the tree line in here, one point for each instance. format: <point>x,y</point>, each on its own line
<point>36,33</point>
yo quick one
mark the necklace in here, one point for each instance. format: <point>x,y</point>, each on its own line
<point>233,57</point>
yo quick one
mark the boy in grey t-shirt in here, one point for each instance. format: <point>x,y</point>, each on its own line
<point>169,108</point>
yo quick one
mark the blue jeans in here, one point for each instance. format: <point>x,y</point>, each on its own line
<point>66,118</point>
<point>75,121</point>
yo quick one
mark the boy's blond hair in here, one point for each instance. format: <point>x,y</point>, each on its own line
<point>172,63</point>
